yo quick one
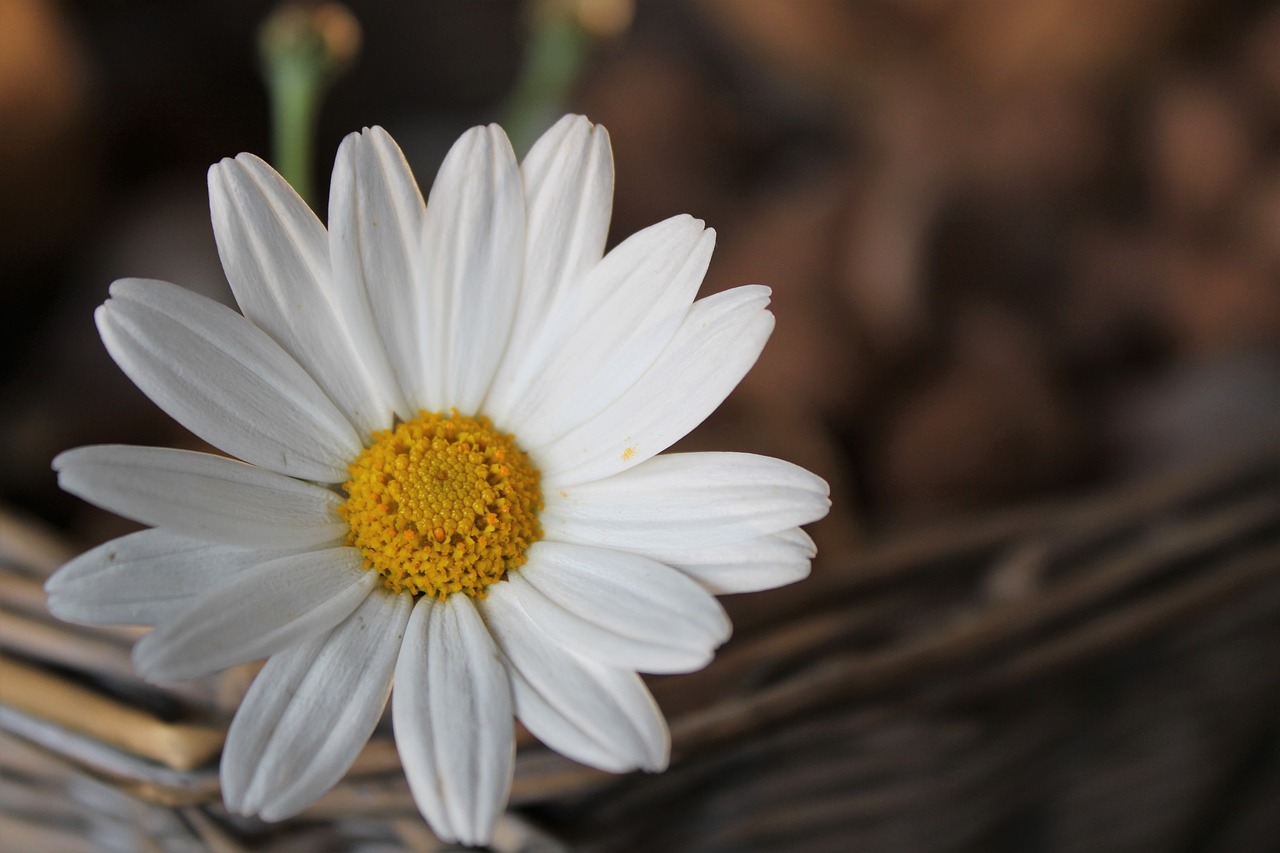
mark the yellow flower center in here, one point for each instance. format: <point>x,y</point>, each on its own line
<point>442,504</point>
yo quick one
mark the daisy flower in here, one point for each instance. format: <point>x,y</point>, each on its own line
<point>450,416</point>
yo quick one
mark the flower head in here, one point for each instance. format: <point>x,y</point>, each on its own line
<point>450,417</point>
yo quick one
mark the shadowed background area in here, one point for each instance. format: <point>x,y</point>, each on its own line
<point>1025,257</point>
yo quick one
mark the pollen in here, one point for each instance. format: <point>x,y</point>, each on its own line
<point>442,504</point>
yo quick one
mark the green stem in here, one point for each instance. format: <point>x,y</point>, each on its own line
<point>557,50</point>
<point>295,90</point>
<point>304,47</point>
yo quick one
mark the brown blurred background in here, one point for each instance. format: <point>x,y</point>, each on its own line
<point>1020,249</point>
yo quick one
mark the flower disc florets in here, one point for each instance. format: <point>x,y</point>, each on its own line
<point>443,504</point>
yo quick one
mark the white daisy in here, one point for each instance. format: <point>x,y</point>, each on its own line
<point>449,415</point>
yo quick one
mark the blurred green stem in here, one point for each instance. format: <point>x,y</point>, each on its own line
<point>304,46</point>
<point>294,88</point>
<point>562,34</point>
<point>558,47</point>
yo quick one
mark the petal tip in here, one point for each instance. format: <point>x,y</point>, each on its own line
<point>379,136</point>
<point>102,314</point>
<point>65,458</point>
<point>724,631</point>
<point>139,289</point>
<point>660,759</point>
<point>143,661</point>
<point>55,600</point>
<point>214,175</point>
<point>344,147</point>
<point>245,166</point>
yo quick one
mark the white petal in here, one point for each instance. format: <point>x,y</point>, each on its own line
<point>568,182</point>
<point>375,243</point>
<point>144,578</point>
<point>263,611</point>
<point>225,380</point>
<point>474,254</point>
<point>451,709</point>
<point>593,713</point>
<point>714,348</point>
<point>276,255</point>
<point>568,189</point>
<point>203,496</point>
<point>764,562</point>
<point>622,609</point>
<point>686,500</point>
<point>311,710</point>
<point>629,308</point>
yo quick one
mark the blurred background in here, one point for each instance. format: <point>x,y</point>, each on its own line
<point>1023,252</point>
<point>1018,247</point>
